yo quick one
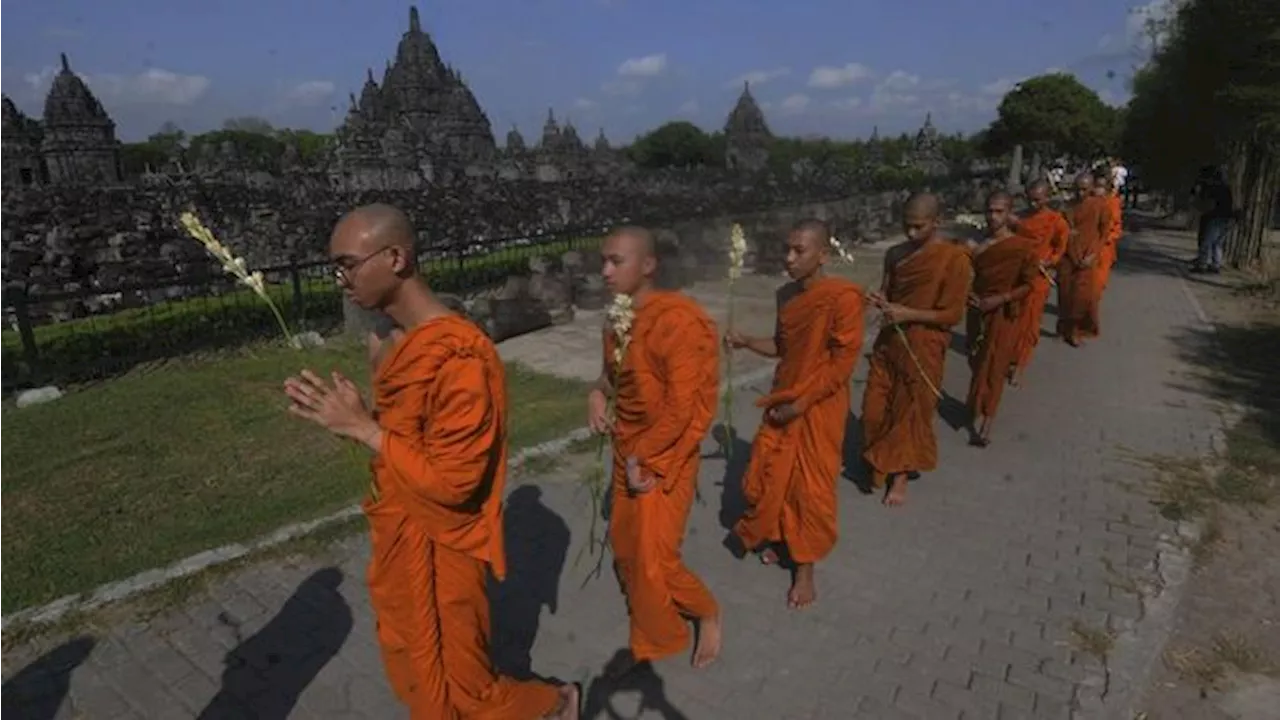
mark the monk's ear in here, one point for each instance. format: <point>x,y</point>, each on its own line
<point>401,261</point>
<point>650,265</point>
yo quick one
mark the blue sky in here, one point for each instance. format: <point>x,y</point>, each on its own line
<point>829,67</point>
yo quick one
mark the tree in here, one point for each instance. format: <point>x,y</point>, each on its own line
<point>676,144</point>
<point>1211,96</point>
<point>1053,114</point>
<point>248,124</point>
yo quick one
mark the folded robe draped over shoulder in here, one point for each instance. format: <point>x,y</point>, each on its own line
<point>1000,268</point>
<point>436,527</point>
<point>668,387</point>
<point>790,484</point>
<point>1049,231</point>
<point>898,404</point>
<point>1079,287</point>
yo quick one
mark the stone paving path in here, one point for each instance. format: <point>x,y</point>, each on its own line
<point>979,599</point>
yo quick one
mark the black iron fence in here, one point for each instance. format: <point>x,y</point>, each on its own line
<point>85,335</point>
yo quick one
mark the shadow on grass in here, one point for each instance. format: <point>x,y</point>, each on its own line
<point>1240,365</point>
<point>37,691</point>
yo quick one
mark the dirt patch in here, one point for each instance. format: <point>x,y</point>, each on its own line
<point>1223,659</point>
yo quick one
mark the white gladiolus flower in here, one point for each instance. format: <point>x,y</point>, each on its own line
<point>976,221</point>
<point>838,248</point>
<point>235,266</point>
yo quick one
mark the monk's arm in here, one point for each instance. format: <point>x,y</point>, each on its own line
<point>763,346</point>
<point>845,345</point>
<point>603,383</point>
<point>684,351</point>
<point>449,460</point>
<point>1061,232</point>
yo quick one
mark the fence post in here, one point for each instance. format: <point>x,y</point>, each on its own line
<point>299,312</point>
<point>30,351</point>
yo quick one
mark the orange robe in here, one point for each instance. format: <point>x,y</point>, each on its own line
<point>898,403</point>
<point>1113,238</point>
<point>790,485</point>
<point>1049,229</point>
<point>668,388</point>
<point>995,336</point>
<point>436,527</point>
<point>1078,286</point>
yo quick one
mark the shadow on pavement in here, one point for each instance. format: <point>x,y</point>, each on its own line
<point>537,541</point>
<point>733,503</point>
<point>267,672</point>
<point>644,681</point>
<point>37,691</point>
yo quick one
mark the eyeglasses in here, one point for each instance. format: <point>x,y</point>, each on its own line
<point>343,274</point>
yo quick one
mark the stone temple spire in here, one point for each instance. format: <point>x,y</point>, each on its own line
<point>79,142</point>
<point>415,25</point>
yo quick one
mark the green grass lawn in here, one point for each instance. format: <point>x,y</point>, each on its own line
<point>152,467</point>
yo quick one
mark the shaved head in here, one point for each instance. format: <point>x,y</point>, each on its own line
<point>1000,197</point>
<point>1038,193</point>
<point>377,224</point>
<point>371,249</point>
<point>647,244</point>
<point>924,206</point>
<point>630,255</point>
<point>808,247</point>
<point>1038,186</point>
<point>920,217</point>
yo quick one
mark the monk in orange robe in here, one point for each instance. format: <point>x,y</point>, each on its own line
<point>1103,187</point>
<point>666,386</point>
<point>1079,288</point>
<point>439,431</point>
<point>923,294</point>
<point>790,485</point>
<point>1049,229</point>
<point>1004,267</point>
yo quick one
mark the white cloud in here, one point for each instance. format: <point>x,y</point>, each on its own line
<point>900,80</point>
<point>849,103</point>
<point>795,104</point>
<point>584,104</point>
<point>647,66</point>
<point>898,91</point>
<point>689,107</point>
<point>758,77</point>
<point>998,87</point>
<point>827,77</point>
<point>310,93</point>
<point>153,86</point>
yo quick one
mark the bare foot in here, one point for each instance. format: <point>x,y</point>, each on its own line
<point>708,647</point>
<point>768,556</point>
<point>569,705</point>
<point>802,593</point>
<point>979,440</point>
<point>897,494</point>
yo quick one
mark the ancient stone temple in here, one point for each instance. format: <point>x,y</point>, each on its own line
<point>746,134</point>
<point>20,156</point>
<point>421,123</point>
<point>926,153</point>
<point>79,144</point>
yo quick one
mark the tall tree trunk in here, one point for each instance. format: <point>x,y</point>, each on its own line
<point>1258,182</point>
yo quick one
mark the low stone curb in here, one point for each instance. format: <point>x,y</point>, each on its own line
<point>157,577</point>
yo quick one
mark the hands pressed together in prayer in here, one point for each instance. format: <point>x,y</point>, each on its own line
<point>339,408</point>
